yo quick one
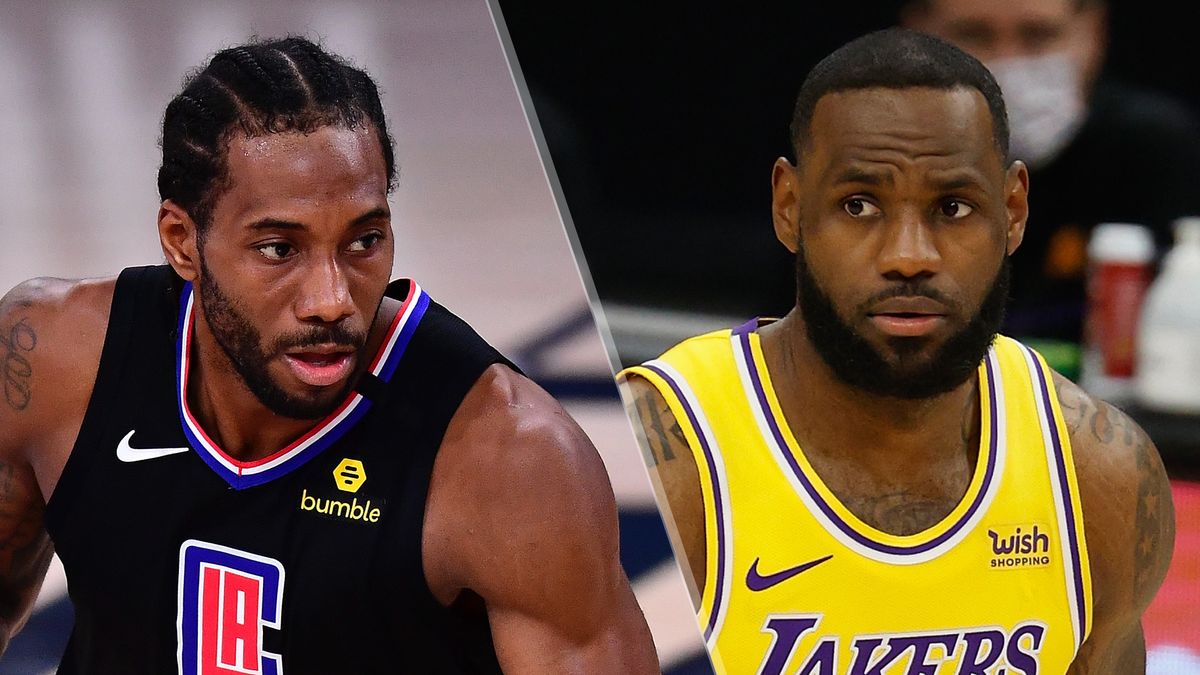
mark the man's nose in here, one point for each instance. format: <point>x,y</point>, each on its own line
<point>908,249</point>
<point>325,295</point>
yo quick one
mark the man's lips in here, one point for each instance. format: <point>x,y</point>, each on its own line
<point>322,365</point>
<point>907,325</point>
<point>908,316</point>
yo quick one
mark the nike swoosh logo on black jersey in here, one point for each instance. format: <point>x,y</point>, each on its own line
<point>758,582</point>
<point>128,453</point>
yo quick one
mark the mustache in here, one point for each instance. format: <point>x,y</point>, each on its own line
<point>909,289</point>
<point>337,334</point>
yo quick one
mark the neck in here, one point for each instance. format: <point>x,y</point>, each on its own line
<point>831,418</point>
<point>231,414</point>
<point>227,410</point>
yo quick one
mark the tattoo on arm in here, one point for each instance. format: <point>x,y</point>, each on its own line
<point>14,367</point>
<point>1140,521</point>
<point>1155,521</point>
<point>661,441</point>
<point>1076,408</point>
<point>25,551</point>
<point>1102,428</point>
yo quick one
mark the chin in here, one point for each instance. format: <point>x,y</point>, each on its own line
<point>324,399</point>
<point>296,400</point>
<point>897,350</point>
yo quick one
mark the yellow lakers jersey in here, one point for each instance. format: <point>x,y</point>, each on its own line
<point>795,583</point>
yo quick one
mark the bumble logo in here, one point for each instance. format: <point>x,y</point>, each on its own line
<point>349,475</point>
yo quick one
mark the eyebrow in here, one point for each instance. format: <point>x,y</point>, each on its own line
<point>280,224</point>
<point>958,181</point>
<point>856,174</point>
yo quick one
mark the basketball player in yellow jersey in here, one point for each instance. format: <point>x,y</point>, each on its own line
<point>877,483</point>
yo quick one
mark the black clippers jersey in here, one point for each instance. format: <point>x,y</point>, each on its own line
<point>181,559</point>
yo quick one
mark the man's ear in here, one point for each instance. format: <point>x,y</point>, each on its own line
<point>179,236</point>
<point>1016,204</point>
<point>785,204</point>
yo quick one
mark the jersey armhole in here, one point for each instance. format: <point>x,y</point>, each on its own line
<point>676,392</point>
<point>1072,494</point>
<point>114,354</point>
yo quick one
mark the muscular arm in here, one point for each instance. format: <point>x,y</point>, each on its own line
<point>673,470</point>
<point>24,547</point>
<point>521,514</point>
<point>1129,522</point>
<point>45,393</point>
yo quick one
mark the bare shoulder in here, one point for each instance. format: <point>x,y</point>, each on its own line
<point>672,465</point>
<point>520,513</point>
<point>57,308</point>
<point>517,471</point>
<point>51,335</point>
<point>1129,519</point>
<point>513,432</point>
<point>51,332</point>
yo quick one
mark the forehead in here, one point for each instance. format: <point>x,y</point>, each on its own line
<point>329,162</point>
<point>931,128</point>
<point>1009,13</point>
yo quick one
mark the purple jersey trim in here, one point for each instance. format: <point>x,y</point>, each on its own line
<point>743,335</point>
<point>1061,471</point>
<point>718,499</point>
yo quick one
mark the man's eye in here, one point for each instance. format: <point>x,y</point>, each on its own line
<point>860,208</point>
<point>366,242</point>
<point>954,209</point>
<point>274,250</point>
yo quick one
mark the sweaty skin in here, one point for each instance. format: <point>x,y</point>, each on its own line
<point>913,459</point>
<point>303,230</point>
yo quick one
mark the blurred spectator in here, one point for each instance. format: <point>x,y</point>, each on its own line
<point>1098,151</point>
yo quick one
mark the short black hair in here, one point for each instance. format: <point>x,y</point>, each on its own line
<point>897,58</point>
<point>924,5</point>
<point>259,88</point>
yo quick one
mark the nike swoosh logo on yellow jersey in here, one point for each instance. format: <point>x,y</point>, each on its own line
<point>128,453</point>
<point>758,582</point>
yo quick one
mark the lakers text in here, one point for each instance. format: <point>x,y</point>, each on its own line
<point>975,651</point>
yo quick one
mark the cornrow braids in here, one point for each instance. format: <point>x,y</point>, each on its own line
<point>263,87</point>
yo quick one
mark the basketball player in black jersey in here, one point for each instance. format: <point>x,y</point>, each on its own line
<point>264,458</point>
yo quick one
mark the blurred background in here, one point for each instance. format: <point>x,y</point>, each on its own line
<point>84,87</point>
<point>663,120</point>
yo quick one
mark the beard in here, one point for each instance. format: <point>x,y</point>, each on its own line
<point>909,371</point>
<point>243,346</point>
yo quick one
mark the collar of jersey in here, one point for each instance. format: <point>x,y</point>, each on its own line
<point>838,520</point>
<point>325,433</point>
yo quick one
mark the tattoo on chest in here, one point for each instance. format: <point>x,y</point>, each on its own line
<point>900,513</point>
<point>14,367</point>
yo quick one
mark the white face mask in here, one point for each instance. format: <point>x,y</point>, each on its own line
<point>1044,97</point>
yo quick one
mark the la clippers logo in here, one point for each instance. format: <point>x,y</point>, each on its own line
<point>226,598</point>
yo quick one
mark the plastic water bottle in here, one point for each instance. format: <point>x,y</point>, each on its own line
<point>1120,260</point>
<point>1168,363</point>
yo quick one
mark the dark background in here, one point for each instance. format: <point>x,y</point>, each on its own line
<point>663,121</point>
